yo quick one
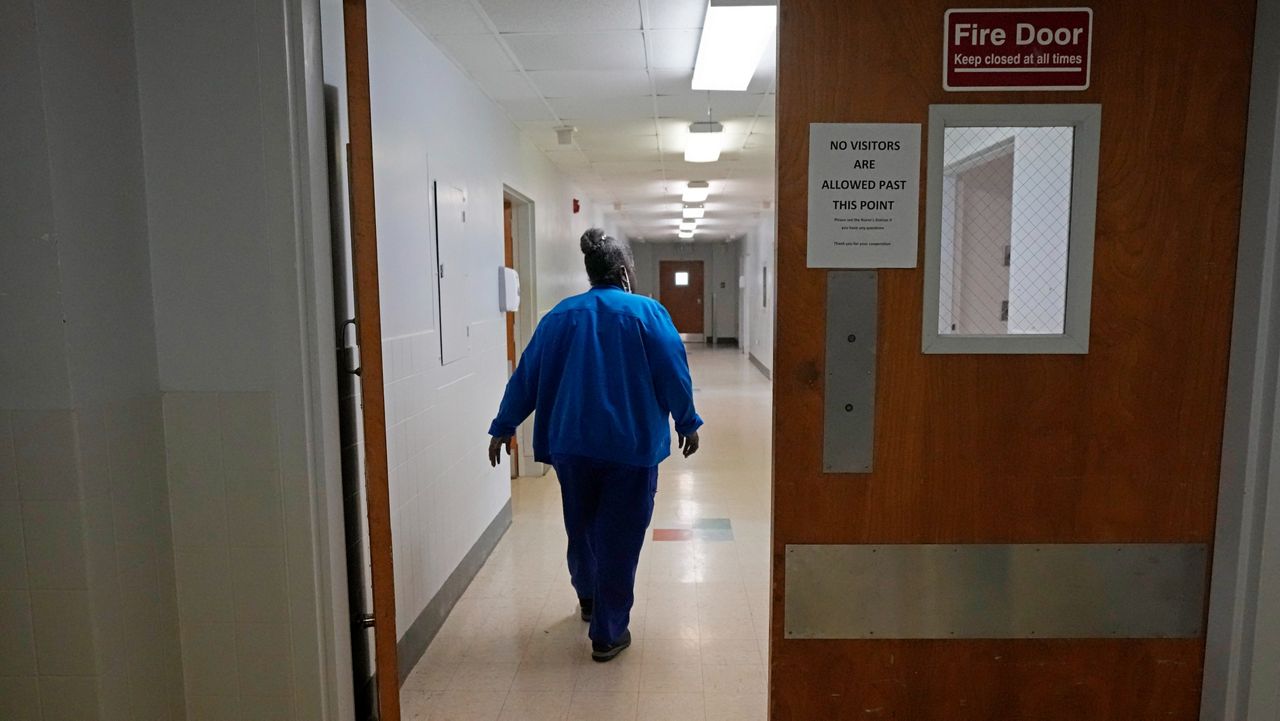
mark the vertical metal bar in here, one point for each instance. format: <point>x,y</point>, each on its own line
<point>849,420</point>
<point>364,253</point>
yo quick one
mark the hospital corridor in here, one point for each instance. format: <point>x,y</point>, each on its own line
<point>639,360</point>
<point>513,645</point>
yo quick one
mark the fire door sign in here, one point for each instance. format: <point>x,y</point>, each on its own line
<point>1017,49</point>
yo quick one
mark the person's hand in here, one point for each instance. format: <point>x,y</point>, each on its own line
<point>689,443</point>
<point>495,449</point>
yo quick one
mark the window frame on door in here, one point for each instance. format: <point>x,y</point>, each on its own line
<point>1086,120</point>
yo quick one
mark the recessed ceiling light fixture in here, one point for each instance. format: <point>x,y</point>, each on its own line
<point>705,139</point>
<point>694,211</point>
<point>696,191</point>
<point>688,226</point>
<point>734,36</point>
<point>685,235</point>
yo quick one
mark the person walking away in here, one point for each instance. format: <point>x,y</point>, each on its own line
<point>605,370</point>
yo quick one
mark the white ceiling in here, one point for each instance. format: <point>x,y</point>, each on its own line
<point>620,72</point>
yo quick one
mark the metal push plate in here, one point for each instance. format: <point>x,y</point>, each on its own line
<point>850,404</point>
<point>995,591</point>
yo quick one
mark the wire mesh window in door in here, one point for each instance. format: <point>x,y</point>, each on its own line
<point>1006,210</point>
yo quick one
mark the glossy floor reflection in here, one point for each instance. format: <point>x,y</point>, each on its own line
<point>514,648</point>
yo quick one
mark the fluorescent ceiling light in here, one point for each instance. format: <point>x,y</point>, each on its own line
<point>733,39</point>
<point>696,192</point>
<point>688,226</point>
<point>685,234</point>
<point>704,142</point>
<point>695,212</point>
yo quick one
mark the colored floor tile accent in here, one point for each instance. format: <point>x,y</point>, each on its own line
<point>719,524</point>
<point>713,534</point>
<point>672,534</point>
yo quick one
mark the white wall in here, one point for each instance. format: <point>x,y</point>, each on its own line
<point>244,330</point>
<point>759,248</point>
<point>87,585</point>
<point>430,121</point>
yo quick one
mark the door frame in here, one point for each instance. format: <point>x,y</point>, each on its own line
<point>364,260</point>
<point>524,241</point>
<point>1242,638</point>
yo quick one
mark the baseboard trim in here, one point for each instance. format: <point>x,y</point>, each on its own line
<point>760,366</point>
<point>415,641</point>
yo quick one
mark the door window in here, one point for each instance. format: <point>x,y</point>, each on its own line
<point>1009,239</point>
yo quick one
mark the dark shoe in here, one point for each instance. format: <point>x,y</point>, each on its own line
<point>601,652</point>
<point>587,605</point>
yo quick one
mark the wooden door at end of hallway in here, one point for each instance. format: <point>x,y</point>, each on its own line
<point>680,290</point>
<point>509,259</point>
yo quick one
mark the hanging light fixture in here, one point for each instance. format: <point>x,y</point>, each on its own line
<point>696,191</point>
<point>705,141</point>
<point>564,134</point>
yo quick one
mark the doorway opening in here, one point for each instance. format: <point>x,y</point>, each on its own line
<point>519,248</point>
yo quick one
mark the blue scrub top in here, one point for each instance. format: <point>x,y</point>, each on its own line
<point>605,370</point>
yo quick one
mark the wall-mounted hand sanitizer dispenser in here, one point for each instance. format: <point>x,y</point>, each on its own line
<point>508,290</point>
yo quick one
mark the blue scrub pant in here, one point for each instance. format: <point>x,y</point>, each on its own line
<point>607,509</point>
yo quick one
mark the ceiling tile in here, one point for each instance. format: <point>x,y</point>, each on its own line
<point>524,16</point>
<point>570,109</point>
<point>677,13</point>
<point>506,85</point>
<point>676,49</point>
<point>477,53</point>
<point>591,83</point>
<point>525,110</point>
<point>672,81</point>
<point>623,143</point>
<point>595,129</point>
<point>583,51</point>
<point>693,105</point>
<point>444,17</point>
<point>567,158</point>
<point>632,168</point>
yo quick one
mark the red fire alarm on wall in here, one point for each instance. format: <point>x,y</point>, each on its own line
<point>576,206</point>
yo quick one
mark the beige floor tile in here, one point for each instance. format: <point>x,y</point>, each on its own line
<point>473,676</point>
<point>588,706</point>
<point>733,679</point>
<point>432,675</point>
<point>621,675</point>
<point>535,706</point>
<point>672,650</point>
<point>736,707</point>
<point>670,678</point>
<point>460,706</point>
<point>722,651</point>
<point>671,707</point>
<point>546,676</point>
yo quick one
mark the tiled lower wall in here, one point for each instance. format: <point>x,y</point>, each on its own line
<point>443,492</point>
<point>86,571</point>
<point>229,547</point>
